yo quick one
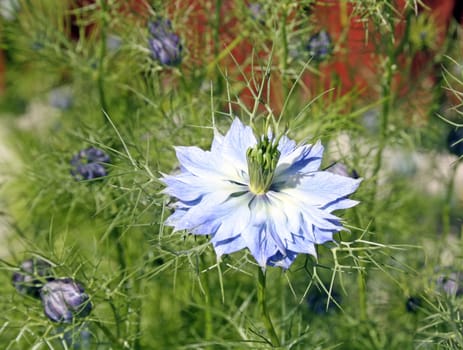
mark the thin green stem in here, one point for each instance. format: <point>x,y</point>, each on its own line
<point>208,329</point>
<point>263,308</point>
<point>388,100</point>
<point>107,332</point>
<point>447,204</point>
<point>284,43</point>
<point>208,313</point>
<point>117,319</point>
<point>362,287</point>
<point>116,236</point>
<point>216,38</point>
<point>139,306</point>
<point>383,137</point>
<point>101,70</point>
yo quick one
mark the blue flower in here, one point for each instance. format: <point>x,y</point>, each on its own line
<point>165,45</point>
<point>89,164</point>
<point>265,194</point>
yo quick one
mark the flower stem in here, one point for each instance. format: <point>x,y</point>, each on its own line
<point>263,308</point>
<point>101,70</point>
<point>448,203</point>
<point>361,282</point>
<point>208,330</point>
<point>114,340</point>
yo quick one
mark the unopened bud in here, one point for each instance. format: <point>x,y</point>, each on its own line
<point>32,275</point>
<point>164,44</point>
<point>64,299</point>
<point>89,164</point>
<point>320,45</point>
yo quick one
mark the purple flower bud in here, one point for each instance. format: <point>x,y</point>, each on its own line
<point>450,284</point>
<point>319,45</point>
<point>413,304</point>
<point>257,12</point>
<point>63,299</point>
<point>320,302</point>
<point>164,44</point>
<point>89,164</point>
<point>32,275</point>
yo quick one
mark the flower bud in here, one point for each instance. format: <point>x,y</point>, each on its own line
<point>320,302</point>
<point>450,284</point>
<point>454,142</point>
<point>319,45</point>
<point>413,304</point>
<point>63,299</point>
<point>165,45</point>
<point>257,12</point>
<point>32,275</point>
<point>89,164</point>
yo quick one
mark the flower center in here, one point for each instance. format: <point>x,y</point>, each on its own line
<point>262,162</point>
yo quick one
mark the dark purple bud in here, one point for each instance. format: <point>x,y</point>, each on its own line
<point>455,141</point>
<point>319,45</point>
<point>164,44</point>
<point>63,299</point>
<point>451,284</point>
<point>413,304</point>
<point>31,276</point>
<point>89,164</point>
<point>320,302</point>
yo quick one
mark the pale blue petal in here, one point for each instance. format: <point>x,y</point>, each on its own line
<point>198,162</point>
<point>321,188</point>
<point>229,246</point>
<point>177,216</point>
<point>301,245</point>
<point>187,187</point>
<point>286,146</point>
<point>264,213</point>
<point>216,216</point>
<point>323,236</point>
<point>180,187</point>
<point>283,261</point>
<point>259,243</point>
<point>320,218</point>
<point>236,142</point>
<point>303,159</point>
<point>236,218</point>
<point>300,215</point>
<point>217,142</point>
<point>204,211</point>
<point>341,203</point>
